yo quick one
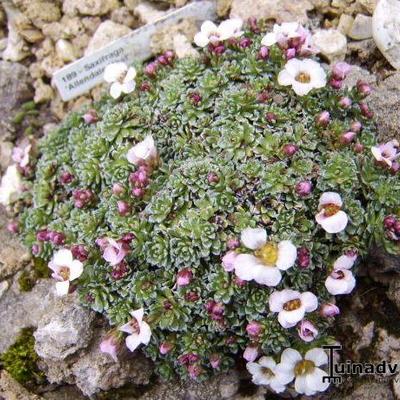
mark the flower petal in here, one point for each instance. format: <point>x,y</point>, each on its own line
<point>269,39</point>
<point>330,198</point>
<point>333,224</point>
<point>145,333</point>
<point>317,355</point>
<point>75,270</point>
<point>63,258</point>
<point>344,262</point>
<point>62,288</point>
<point>130,75</point>
<point>287,254</point>
<point>138,315</point>
<point>254,238</point>
<point>132,342</point>
<point>115,90</point>
<point>128,87</point>
<point>267,362</point>
<point>113,71</point>
<point>285,78</point>
<point>300,384</point>
<point>288,319</point>
<point>309,301</point>
<point>201,39</point>
<point>269,276</point>
<point>246,266</point>
<point>290,357</point>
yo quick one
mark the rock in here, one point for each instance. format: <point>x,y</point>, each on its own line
<point>16,49</point>
<point>6,148</point>
<point>223,7</point>
<point>364,50</point>
<point>208,390</point>
<point>51,64</point>
<point>124,16</point>
<point>66,329</point>
<point>366,336</point>
<point>66,392</point>
<point>281,11</point>
<point>42,12</point>
<point>96,371</point>
<point>43,92</point>
<point>361,28</point>
<point>13,255</point>
<point>385,103</point>
<point>107,32</point>
<point>165,39</point>
<point>369,391</point>
<point>368,5</point>
<point>393,293</point>
<point>148,12</point>
<point>15,89</point>
<point>24,309</point>
<point>10,389</point>
<point>65,50</point>
<point>131,4</point>
<point>4,285</point>
<point>345,24</point>
<point>385,30</point>
<point>182,47</point>
<point>89,7</point>
<point>358,73</point>
<point>331,43</point>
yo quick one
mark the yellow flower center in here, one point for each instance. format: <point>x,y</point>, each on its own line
<point>330,209</point>
<point>304,367</point>
<point>303,77</point>
<point>268,253</point>
<point>64,273</point>
<point>292,305</point>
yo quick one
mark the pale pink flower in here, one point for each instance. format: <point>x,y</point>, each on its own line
<point>139,331</point>
<point>144,152</point>
<point>387,152</point>
<point>114,251</point>
<point>228,260</point>
<point>307,331</point>
<point>330,216</point>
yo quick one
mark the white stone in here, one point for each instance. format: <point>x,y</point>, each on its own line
<point>148,13</point>
<point>368,5</point>
<point>89,7</point>
<point>107,32</point>
<point>361,28</point>
<point>345,24</point>
<point>65,50</point>
<point>386,30</point>
<point>331,43</point>
<point>182,46</point>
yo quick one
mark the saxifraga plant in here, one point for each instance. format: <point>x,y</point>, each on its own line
<point>212,207</point>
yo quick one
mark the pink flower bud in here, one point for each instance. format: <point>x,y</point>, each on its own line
<point>66,178</point>
<point>395,168</point>
<point>335,83</point>
<point>162,60</point>
<point>253,25</point>
<point>195,98</point>
<point>396,227</point>
<point>35,249</point>
<point>217,312</point>
<point>194,371</point>
<point>123,208</point>
<point>150,69</point>
<point>128,237</point>
<point>13,227</point>
<point>138,192</point>
<point>215,361</point>
<point>212,177</point>
<point>303,188</point>
<point>363,88</point>
<point>165,347</point>
<point>233,243</point>
<point>329,310</point>
<point>145,87</point>
<point>79,252</point>
<point>356,126</point>
<point>389,222</point>
<point>358,147</point>
<point>347,137</point>
<point>365,111</point>
<point>43,235</point>
<point>228,261</point>
<point>119,271</point>
<point>271,117</point>
<point>290,149</point>
<point>263,96</point>
<point>290,53</point>
<point>345,102</point>
<point>323,119</point>
<point>303,257</point>
<point>90,117</point>
<point>245,42</point>
<point>191,297</point>
<point>117,189</point>
<point>254,328</point>
<point>340,70</point>
<point>184,277</point>
<point>307,331</point>
<point>250,353</point>
<point>58,238</point>
<point>263,53</point>
<point>239,282</point>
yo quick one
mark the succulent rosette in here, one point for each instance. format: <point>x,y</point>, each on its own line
<point>217,197</point>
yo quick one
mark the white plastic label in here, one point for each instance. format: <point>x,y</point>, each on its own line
<point>80,76</point>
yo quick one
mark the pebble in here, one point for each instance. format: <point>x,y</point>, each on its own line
<point>361,28</point>
<point>331,43</point>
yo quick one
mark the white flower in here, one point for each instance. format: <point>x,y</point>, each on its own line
<point>302,75</point>
<point>308,377</point>
<point>340,281</point>
<point>386,152</point>
<point>345,261</point>
<point>211,33</point>
<point>268,260</point>
<point>65,269</point>
<point>330,215</point>
<point>264,373</point>
<point>139,331</point>
<point>287,30</point>
<point>292,306</point>
<point>11,185</point>
<point>143,152</point>
<point>20,153</point>
<point>121,77</point>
